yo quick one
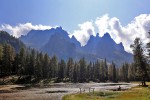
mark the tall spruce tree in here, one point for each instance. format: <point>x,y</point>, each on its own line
<point>82,63</point>
<point>75,72</point>
<point>1,55</point>
<point>54,66</point>
<point>70,68</point>
<point>7,58</point>
<point>22,62</point>
<point>105,70</point>
<point>46,66</point>
<point>32,62</point>
<point>38,67</point>
<point>131,73</point>
<point>139,60</point>
<point>15,64</point>
<point>61,70</point>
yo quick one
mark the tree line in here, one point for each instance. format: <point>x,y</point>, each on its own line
<point>29,62</point>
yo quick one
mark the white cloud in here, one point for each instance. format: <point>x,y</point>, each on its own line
<point>103,24</point>
<point>22,29</point>
<point>83,35</point>
<point>139,27</point>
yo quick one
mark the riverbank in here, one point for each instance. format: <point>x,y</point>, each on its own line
<point>134,93</point>
<point>54,91</point>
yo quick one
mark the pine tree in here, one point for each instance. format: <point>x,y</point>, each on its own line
<point>82,63</point>
<point>139,60</point>
<point>41,68</point>
<point>61,70</point>
<point>54,66</point>
<point>22,62</point>
<point>32,61</point>
<point>1,52</point>
<point>7,59</point>
<point>105,70</point>
<point>46,66</point>
<point>124,72</point>
<point>16,64</point>
<point>114,73</point>
<point>75,73</point>
<point>70,68</point>
<point>102,71</point>
<point>131,73</point>
<point>88,73</point>
<point>38,67</point>
<point>1,55</point>
<point>97,70</point>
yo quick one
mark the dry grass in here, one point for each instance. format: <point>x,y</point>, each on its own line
<point>136,93</point>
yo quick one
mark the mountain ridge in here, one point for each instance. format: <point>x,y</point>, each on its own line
<point>6,38</point>
<point>57,42</point>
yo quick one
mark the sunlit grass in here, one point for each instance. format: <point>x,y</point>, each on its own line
<point>136,93</point>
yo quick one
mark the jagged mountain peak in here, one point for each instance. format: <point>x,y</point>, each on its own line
<point>121,45</point>
<point>106,35</point>
<point>57,41</point>
<point>75,41</point>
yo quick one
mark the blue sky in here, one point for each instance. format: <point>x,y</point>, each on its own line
<point>123,19</point>
<point>69,13</point>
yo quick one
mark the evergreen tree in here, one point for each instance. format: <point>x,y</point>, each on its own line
<point>1,55</point>
<point>38,66</point>
<point>1,52</point>
<point>139,60</point>
<point>41,63</point>
<point>112,72</point>
<point>32,62</point>
<point>148,54</point>
<point>105,70</point>
<point>75,73</point>
<point>54,66</point>
<point>102,71</point>
<point>131,73</point>
<point>61,71</point>
<point>88,73</point>
<point>46,66</point>
<point>70,68</point>
<point>82,63</point>
<point>97,70</point>
<point>7,59</point>
<point>124,72</point>
<point>16,64</point>
<point>22,62</point>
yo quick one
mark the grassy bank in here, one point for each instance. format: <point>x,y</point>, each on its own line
<point>136,93</point>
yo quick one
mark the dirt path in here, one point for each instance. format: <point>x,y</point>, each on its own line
<point>53,91</point>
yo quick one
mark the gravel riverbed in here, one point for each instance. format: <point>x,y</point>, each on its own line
<point>55,91</point>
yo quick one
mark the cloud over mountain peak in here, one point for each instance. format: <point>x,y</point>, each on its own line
<point>22,29</point>
<point>138,27</point>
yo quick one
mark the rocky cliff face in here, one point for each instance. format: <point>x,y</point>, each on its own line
<point>57,42</point>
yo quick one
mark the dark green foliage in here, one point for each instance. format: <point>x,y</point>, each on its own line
<point>29,64</point>
<point>124,72</point>
<point>46,63</point>
<point>5,38</point>
<point>70,69</point>
<point>139,60</point>
<point>54,67</point>
<point>112,75</point>
<point>61,70</point>
<point>7,59</point>
<point>82,64</point>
